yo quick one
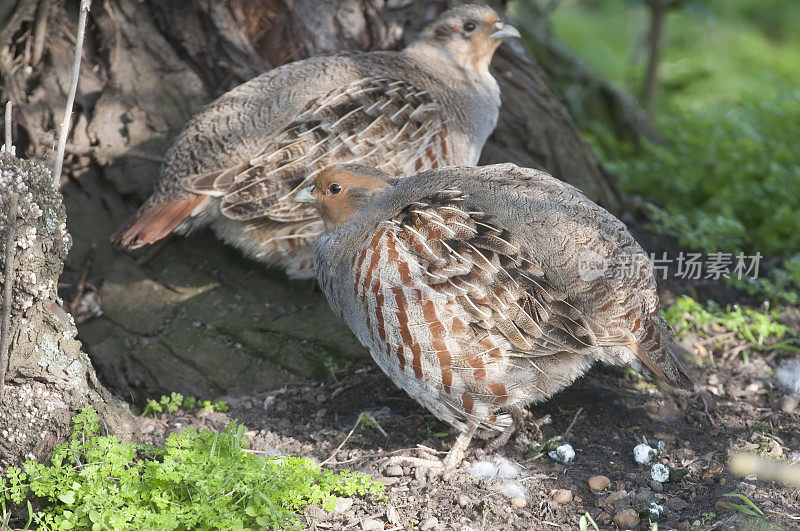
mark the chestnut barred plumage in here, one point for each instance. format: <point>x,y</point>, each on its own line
<point>466,285</point>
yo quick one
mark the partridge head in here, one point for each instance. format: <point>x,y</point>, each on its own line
<point>468,287</point>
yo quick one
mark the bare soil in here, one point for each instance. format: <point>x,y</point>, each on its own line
<point>738,406</point>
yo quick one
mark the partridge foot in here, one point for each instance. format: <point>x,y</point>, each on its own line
<point>451,460</point>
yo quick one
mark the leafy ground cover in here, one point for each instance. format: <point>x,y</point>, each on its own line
<point>197,480</point>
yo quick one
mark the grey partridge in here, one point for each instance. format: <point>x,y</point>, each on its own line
<point>237,165</point>
<point>480,290</point>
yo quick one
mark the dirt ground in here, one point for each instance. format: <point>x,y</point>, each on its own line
<point>604,415</point>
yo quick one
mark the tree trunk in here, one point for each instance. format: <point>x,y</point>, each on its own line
<point>194,316</point>
<point>658,11</point>
<point>48,377</point>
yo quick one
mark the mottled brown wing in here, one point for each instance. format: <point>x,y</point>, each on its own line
<point>479,264</point>
<point>386,123</point>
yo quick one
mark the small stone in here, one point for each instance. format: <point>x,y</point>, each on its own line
<point>627,519</point>
<point>429,523</point>
<point>676,504</point>
<point>371,524</point>
<point>316,513</point>
<point>655,510</point>
<point>721,506</point>
<point>599,483</point>
<point>563,454</point>
<point>247,404</point>
<point>343,505</point>
<point>421,473</point>
<point>775,449</point>
<point>320,398</point>
<point>657,486</point>
<point>269,402</point>
<point>391,515</point>
<point>464,500</point>
<point>394,470</point>
<point>614,496</point>
<point>519,503</point>
<point>562,496</point>
<point>644,496</point>
<point>660,473</point>
<point>789,403</point>
<point>644,453</point>
<point>389,481</point>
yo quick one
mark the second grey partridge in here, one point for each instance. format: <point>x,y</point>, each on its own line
<point>480,290</point>
<point>237,165</point>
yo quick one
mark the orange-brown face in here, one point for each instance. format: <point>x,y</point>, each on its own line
<point>471,33</point>
<point>338,192</point>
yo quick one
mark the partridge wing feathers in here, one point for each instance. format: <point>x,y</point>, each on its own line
<point>387,123</point>
<point>465,255</point>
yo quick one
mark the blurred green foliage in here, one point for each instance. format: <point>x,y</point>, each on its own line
<point>728,173</point>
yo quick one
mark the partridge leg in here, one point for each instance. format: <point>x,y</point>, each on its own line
<point>506,434</point>
<point>459,449</point>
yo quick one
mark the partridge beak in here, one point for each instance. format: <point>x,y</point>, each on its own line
<point>305,195</point>
<point>504,31</point>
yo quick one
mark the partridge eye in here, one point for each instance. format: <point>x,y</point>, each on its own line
<point>469,26</point>
<point>334,188</point>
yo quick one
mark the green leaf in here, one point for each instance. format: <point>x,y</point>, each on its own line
<point>755,510</point>
<point>67,497</point>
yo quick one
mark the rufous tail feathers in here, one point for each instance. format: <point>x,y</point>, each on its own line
<point>157,222</point>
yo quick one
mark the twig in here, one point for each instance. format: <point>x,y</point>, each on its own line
<point>358,421</point>
<point>9,144</point>
<point>571,424</point>
<point>705,408</point>
<point>40,31</point>
<point>73,87</point>
<point>8,281</point>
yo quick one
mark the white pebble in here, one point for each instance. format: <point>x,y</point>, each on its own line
<point>788,376</point>
<point>563,454</point>
<point>660,473</point>
<point>644,453</point>
<point>655,509</point>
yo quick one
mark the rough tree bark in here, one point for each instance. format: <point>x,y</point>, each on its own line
<point>195,316</point>
<point>49,378</point>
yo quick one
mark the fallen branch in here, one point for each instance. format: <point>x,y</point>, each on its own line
<point>8,281</point>
<point>73,87</point>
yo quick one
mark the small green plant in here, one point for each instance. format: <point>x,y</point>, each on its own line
<point>432,431</point>
<point>330,365</point>
<point>749,509</point>
<point>550,444</point>
<point>367,422</point>
<point>172,403</point>
<point>198,480</point>
<point>705,518</point>
<point>585,521</point>
<point>747,324</point>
